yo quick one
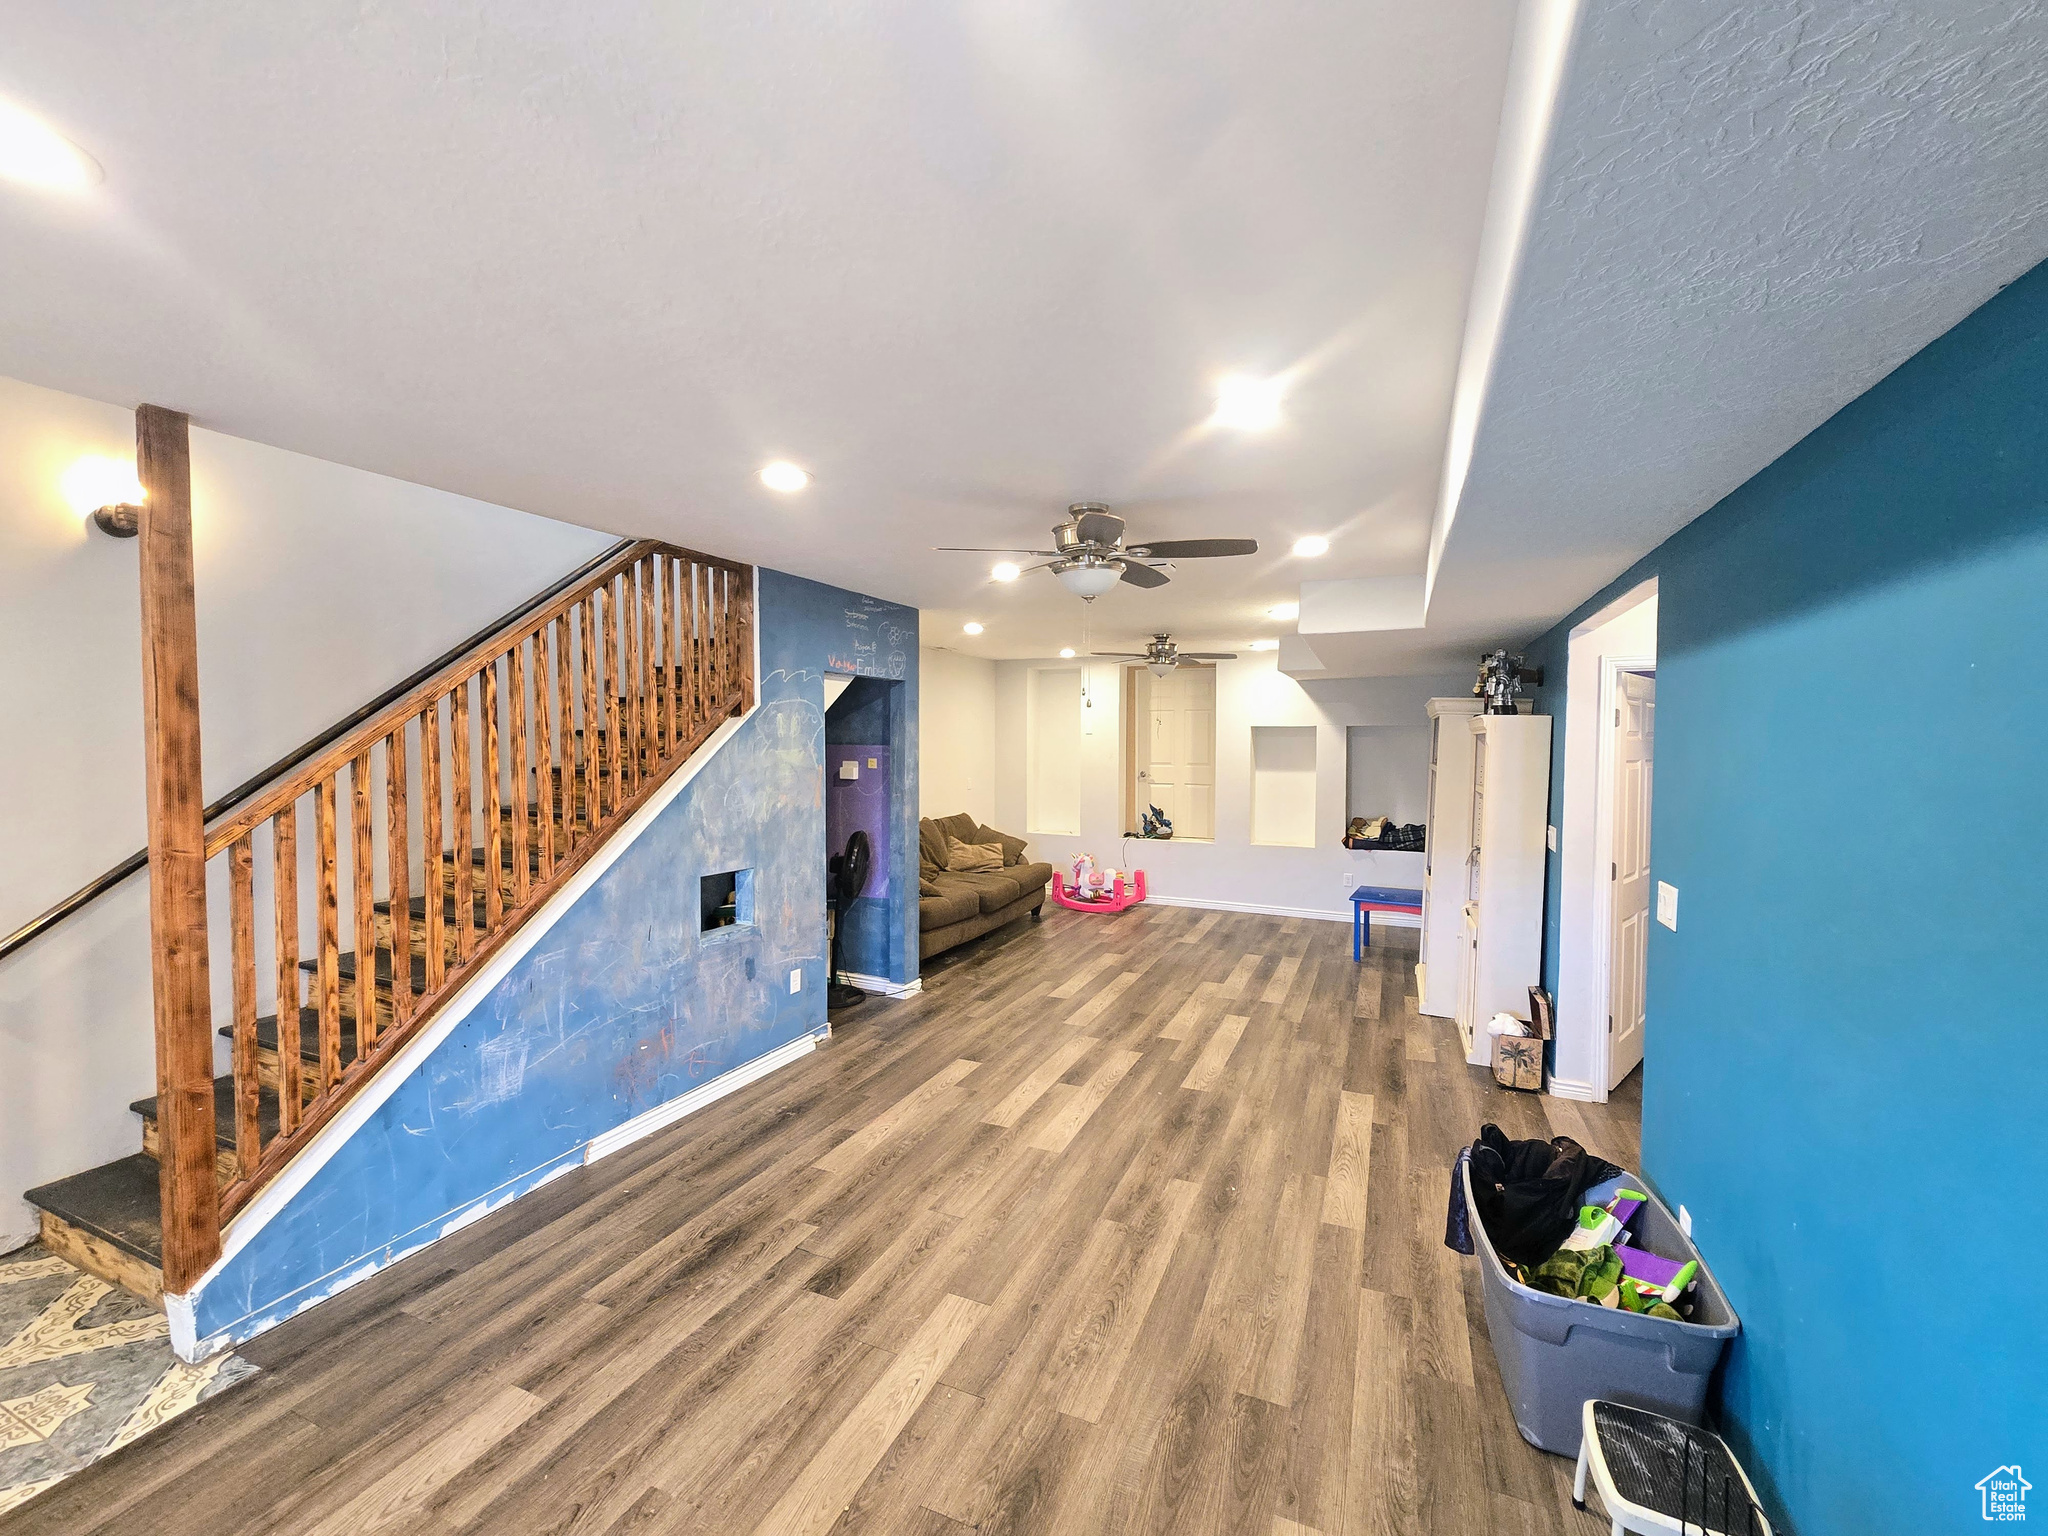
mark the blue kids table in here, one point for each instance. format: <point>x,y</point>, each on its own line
<point>1368,899</point>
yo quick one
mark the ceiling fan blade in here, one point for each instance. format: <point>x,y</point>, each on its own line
<point>980,549</point>
<point>1099,527</point>
<point>1143,575</point>
<point>1120,655</point>
<point>1208,655</point>
<point>1195,549</point>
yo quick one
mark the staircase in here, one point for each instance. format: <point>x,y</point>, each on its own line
<point>530,751</point>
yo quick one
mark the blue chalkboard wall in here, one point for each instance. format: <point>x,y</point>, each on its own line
<point>624,1002</point>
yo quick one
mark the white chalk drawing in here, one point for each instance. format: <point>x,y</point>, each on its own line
<point>501,1069</point>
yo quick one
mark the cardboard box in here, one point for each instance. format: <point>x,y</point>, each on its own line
<point>1518,1061</point>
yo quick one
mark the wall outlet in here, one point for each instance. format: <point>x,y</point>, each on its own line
<point>796,980</point>
<point>1685,1221</point>
<point>1667,905</point>
<point>1550,836</point>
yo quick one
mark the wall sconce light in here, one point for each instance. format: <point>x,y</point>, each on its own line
<point>107,491</point>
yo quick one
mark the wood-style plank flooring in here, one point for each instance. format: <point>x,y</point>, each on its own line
<point>1126,1224</point>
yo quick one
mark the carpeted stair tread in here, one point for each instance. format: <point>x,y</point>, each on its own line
<point>309,1035</point>
<point>119,1202</point>
<point>224,1111</point>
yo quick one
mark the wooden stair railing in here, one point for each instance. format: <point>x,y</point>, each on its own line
<point>497,777</point>
<point>513,764</point>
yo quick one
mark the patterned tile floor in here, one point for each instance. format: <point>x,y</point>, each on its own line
<point>84,1369</point>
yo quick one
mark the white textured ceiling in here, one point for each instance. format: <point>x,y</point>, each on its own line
<point>1748,215</point>
<point>966,262</point>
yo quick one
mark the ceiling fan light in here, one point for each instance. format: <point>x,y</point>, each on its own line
<point>1161,668</point>
<point>1090,581</point>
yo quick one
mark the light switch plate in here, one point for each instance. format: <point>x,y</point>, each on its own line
<point>1551,833</point>
<point>796,980</point>
<point>1667,905</point>
<point>1685,1221</point>
<point>849,769</point>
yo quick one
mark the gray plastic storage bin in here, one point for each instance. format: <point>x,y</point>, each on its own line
<point>1556,1352</point>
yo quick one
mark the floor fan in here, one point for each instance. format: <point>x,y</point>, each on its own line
<point>845,878</point>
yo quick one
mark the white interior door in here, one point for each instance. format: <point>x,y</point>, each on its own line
<point>1181,758</point>
<point>1634,727</point>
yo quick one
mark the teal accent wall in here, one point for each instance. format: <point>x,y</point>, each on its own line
<point>1844,1080</point>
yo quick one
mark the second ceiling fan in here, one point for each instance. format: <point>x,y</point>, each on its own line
<point>1089,554</point>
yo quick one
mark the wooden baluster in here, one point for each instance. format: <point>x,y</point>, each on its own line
<point>329,973</point>
<point>180,984</point>
<point>242,931</point>
<point>544,752</point>
<point>494,817</point>
<point>614,705</point>
<point>665,668</point>
<point>718,642</point>
<point>743,629</point>
<point>433,872</point>
<point>650,712</point>
<point>363,871</point>
<point>462,836</point>
<point>699,708</point>
<point>285,846</point>
<point>566,710</point>
<point>521,840</point>
<point>593,721</point>
<point>619,668</point>
<point>398,872</point>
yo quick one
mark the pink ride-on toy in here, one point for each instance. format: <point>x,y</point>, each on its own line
<point>1115,901</point>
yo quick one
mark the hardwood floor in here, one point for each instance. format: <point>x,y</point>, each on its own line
<point>1127,1224</point>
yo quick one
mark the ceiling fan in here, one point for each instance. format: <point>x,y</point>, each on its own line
<point>1089,554</point>
<point>1161,656</point>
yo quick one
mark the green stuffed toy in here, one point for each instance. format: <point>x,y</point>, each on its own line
<point>1594,1274</point>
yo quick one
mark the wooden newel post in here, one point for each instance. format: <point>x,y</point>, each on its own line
<point>177,850</point>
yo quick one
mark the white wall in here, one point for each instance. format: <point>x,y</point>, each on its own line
<point>956,735</point>
<point>319,587</point>
<point>1230,872</point>
<point>1389,771</point>
<point>1627,628</point>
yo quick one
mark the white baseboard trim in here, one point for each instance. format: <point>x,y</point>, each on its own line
<point>883,985</point>
<point>1153,898</point>
<point>664,1115</point>
<point>1569,1088</point>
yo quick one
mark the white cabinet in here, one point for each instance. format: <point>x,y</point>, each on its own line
<point>1502,874</point>
<point>1439,976</point>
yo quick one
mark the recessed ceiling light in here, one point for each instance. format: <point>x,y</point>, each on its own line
<point>1006,570</point>
<point>1248,404</point>
<point>33,152</point>
<point>1066,653</point>
<point>784,476</point>
<point>970,628</point>
<point>1262,645</point>
<point>1308,548</point>
<point>1284,611</point>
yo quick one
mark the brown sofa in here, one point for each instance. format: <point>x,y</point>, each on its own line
<point>952,906</point>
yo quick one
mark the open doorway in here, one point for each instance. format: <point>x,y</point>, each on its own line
<point>1603,1021</point>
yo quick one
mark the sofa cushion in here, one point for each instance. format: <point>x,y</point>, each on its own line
<point>955,903</point>
<point>962,826</point>
<point>994,890</point>
<point>1013,847</point>
<point>931,847</point>
<point>972,858</point>
<point>1030,877</point>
